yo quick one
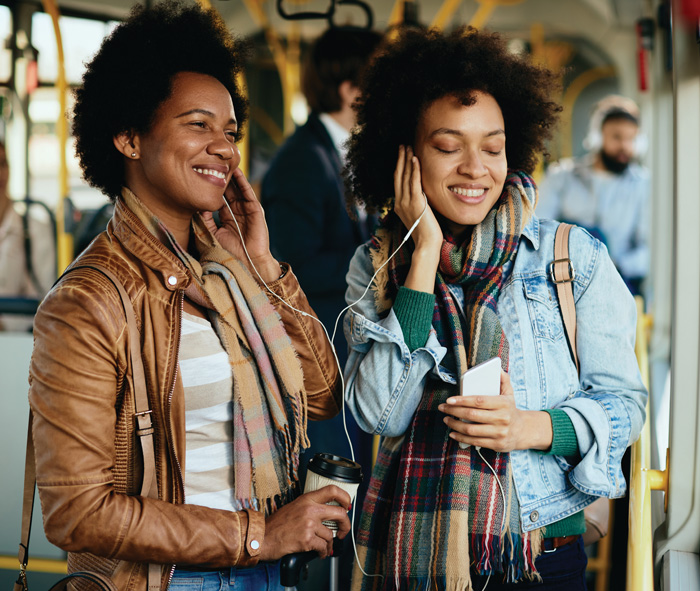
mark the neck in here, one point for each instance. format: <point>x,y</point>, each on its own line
<point>345,117</point>
<point>598,163</point>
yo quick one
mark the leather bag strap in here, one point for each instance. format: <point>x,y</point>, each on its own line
<point>562,273</point>
<point>144,425</point>
<point>144,431</point>
<point>102,582</point>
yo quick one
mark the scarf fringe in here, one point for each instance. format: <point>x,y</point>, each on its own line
<point>430,584</point>
<point>270,505</point>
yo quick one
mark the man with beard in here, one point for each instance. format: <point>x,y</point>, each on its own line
<point>606,191</point>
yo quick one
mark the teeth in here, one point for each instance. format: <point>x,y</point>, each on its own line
<point>216,173</point>
<point>468,192</point>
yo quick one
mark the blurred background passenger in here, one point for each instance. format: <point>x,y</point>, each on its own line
<point>304,198</point>
<point>606,191</point>
<point>27,261</point>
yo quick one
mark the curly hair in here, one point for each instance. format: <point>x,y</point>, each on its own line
<point>131,76</point>
<point>421,66</point>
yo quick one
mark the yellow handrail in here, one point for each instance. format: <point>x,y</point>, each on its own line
<point>640,572</point>
<point>64,245</point>
<point>37,565</point>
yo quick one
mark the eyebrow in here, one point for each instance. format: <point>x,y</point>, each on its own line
<point>456,132</point>
<point>203,112</point>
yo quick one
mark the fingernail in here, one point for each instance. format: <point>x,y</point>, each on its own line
<point>350,507</point>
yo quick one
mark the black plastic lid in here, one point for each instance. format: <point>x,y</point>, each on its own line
<point>336,468</point>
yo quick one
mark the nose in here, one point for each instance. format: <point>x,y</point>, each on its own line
<point>225,149</point>
<point>471,164</point>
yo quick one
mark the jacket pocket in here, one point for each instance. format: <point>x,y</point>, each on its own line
<point>543,308</point>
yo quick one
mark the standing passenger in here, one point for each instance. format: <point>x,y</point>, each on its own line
<point>606,191</point>
<point>468,120</point>
<point>231,372</point>
<point>303,191</point>
<point>27,253</point>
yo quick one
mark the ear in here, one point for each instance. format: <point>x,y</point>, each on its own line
<point>348,92</point>
<point>128,144</point>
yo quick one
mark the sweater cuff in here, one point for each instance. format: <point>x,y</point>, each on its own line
<point>414,311</point>
<point>564,440</point>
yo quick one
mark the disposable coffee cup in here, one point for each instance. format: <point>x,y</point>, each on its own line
<point>325,469</point>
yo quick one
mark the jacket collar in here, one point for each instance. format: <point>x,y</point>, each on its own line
<point>531,231</point>
<point>135,237</point>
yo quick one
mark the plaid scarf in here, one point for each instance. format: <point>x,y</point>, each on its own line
<point>269,401</point>
<point>442,504</point>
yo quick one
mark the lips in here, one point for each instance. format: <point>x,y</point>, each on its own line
<point>468,192</point>
<point>216,176</point>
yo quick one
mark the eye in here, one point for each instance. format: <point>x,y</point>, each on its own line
<point>494,153</point>
<point>232,134</point>
<point>199,124</point>
<point>442,151</point>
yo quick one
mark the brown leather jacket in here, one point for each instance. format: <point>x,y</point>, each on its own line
<point>89,467</point>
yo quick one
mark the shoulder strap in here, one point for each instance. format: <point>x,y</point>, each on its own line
<point>562,273</point>
<point>144,431</point>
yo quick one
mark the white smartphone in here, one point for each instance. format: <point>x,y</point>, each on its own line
<point>483,379</point>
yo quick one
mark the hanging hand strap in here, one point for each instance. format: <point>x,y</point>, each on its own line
<point>562,273</point>
<point>144,431</point>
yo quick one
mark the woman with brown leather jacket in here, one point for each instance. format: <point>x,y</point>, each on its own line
<point>231,372</point>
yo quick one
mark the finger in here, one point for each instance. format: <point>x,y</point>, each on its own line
<point>470,432</point>
<point>485,402</point>
<point>323,543</point>
<point>407,171</point>
<point>416,184</point>
<point>331,493</point>
<point>209,222</point>
<point>398,171</point>
<point>506,386</point>
<point>244,187</point>
<point>343,526</point>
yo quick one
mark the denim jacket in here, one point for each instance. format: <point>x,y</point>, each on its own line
<point>606,404</point>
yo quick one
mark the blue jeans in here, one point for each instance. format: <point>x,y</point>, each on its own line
<point>563,569</point>
<point>263,577</point>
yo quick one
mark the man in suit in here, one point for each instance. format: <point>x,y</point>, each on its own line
<point>303,192</point>
<point>304,199</point>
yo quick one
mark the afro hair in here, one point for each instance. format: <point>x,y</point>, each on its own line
<point>421,66</point>
<point>131,76</point>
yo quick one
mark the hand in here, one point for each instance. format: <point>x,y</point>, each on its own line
<point>298,527</point>
<point>497,423</point>
<point>409,201</point>
<point>251,219</point>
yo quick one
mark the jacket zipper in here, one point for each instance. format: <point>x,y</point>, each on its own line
<point>179,484</point>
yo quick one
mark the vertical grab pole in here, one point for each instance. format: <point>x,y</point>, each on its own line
<point>64,246</point>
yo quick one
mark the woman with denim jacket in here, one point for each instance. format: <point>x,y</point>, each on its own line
<point>468,120</point>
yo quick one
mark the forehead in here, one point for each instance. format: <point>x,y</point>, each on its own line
<point>192,90</point>
<point>620,126</point>
<point>449,112</point>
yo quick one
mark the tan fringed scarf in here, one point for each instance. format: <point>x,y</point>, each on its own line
<point>268,384</point>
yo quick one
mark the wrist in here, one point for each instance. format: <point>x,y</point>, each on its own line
<point>537,430</point>
<point>270,269</point>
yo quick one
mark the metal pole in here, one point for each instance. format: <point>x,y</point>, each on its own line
<point>334,573</point>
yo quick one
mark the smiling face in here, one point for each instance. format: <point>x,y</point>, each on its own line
<point>462,152</point>
<point>185,160</point>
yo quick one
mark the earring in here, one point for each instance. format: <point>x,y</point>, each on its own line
<point>133,154</point>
